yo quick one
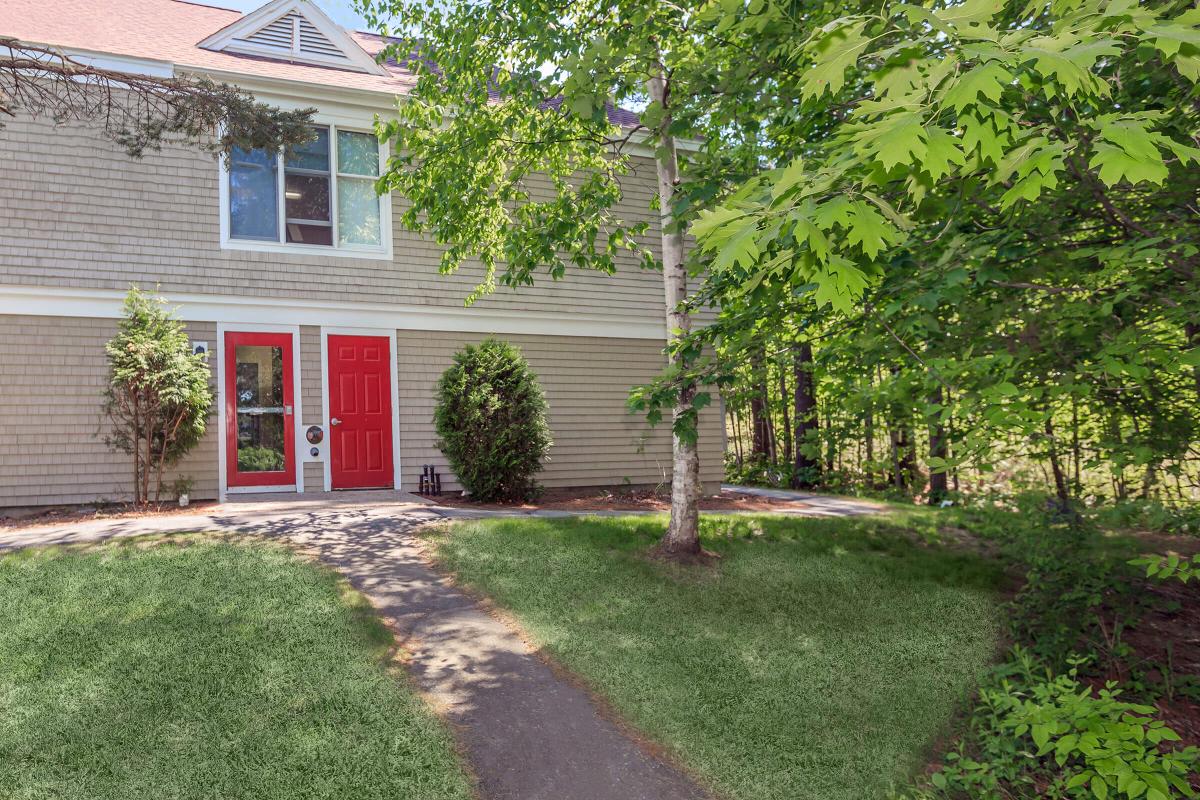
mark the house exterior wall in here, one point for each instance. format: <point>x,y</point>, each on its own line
<point>81,222</point>
<point>597,442</point>
<point>53,371</point>
<point>79,213</point>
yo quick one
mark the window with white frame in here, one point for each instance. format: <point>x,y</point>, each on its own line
<point>322,195</point>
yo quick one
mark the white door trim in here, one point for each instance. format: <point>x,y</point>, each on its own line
<point>390,335</point>
<point>297,409</point>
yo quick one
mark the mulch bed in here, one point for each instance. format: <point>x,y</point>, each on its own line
<point>62,514</point>
<point>626,500</point>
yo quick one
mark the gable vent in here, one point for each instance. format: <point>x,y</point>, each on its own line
<point>279,34</point>
<point>295,34</point>
<point>314,42</point>
<point>293,30</point>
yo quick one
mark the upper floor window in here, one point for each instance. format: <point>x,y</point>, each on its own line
<point>322,196</point>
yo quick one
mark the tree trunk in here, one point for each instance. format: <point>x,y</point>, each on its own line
<point>135,440</point>
<point>869,435</point>
<point>830,445</point>
<point>1060,480</point>
<point>808,469</point>
<point>1076,455</point>
<point>758,407</point>
<point>787,419</point>
<point>733,423</point>
<point>683,531</point>
<point>145,498</point>
<point>1192,331</point>
<point>737,434</point>
<point>938,488</point>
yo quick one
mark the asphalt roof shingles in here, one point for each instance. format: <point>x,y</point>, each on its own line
<point>170,30</point>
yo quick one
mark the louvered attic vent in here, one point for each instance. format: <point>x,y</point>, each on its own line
<point>296,30</point>
<point>294,34</point>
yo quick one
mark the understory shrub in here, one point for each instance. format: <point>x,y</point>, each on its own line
<point>1036,734</point>
<point>491,422</point>
<point>1149,515</point>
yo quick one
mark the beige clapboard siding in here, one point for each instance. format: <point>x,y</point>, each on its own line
<point>586,380</point>
<point>52,376</point>
<point>79,213</point>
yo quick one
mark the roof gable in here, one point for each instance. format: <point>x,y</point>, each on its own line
<point>296,31</point>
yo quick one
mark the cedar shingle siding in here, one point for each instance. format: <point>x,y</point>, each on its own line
<point>52,370</point>
<point>79,214</point>
<point>52,376</point>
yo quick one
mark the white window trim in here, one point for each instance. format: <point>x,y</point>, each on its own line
<point>383,252</point>
<point>383,333</point>
<point>223,487</point>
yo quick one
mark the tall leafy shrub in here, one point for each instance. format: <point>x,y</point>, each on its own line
<point>491,422</point>
<point>158,397</point>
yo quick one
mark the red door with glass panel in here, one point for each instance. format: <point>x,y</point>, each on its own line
<point>260,440</point>
<point>360,412</point>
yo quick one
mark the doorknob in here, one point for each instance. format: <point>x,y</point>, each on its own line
<point>335,421</point>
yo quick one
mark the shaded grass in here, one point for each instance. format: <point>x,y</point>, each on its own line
<point>818,659</point>
<point>207,670</point>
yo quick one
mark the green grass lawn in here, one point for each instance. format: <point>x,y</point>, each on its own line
<point>203,670</point>
<point>820,659</point>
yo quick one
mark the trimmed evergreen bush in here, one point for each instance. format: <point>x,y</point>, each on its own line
<point>491,422</point>
<point>157,397</point>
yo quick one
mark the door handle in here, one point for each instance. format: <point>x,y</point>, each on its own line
<point>335,421</point>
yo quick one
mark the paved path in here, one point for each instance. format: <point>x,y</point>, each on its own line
<point>526,734</point>
<point>812,505</point>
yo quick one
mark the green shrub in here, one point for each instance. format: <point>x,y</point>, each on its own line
<point>1168,567</point>
<point>491,422</point>
<point>1149,515</point>
<point>157,398</point>
<point>1041,735</point>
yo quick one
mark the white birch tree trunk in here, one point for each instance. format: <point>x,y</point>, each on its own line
<point>683,534</point>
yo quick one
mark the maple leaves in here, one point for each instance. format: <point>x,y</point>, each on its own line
<point>983,93</point>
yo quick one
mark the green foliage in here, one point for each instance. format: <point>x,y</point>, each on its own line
<point>256,458</point>
<point>1169,567</point>
<point>158,396</point>
<point>491,422</point>
<point>1149,515</point>
<point>1037,734</point>
<point>937,99</point>
<point>536,163</point>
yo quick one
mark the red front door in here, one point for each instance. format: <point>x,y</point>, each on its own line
<point>360,412</point>
<point>260,429</point>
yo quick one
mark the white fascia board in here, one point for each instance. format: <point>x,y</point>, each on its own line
<point>285,93</point>
<point>106,304</point>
